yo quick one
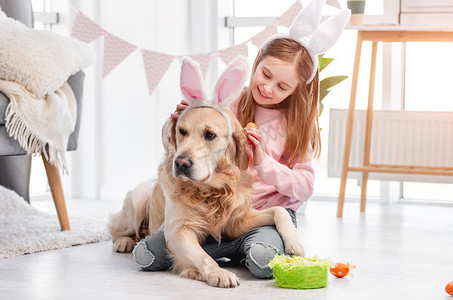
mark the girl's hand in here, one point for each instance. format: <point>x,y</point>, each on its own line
<point>258,148</point>
<point>179,108</point>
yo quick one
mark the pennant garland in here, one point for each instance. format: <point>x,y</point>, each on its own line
<point>259,39</point>
<point>290,14</point>
<point>204,60</point>
<point>231,53</point>
<point>84,29</point>
<point>333,3</point>
<point>115,51</point>
<point>155,63</point>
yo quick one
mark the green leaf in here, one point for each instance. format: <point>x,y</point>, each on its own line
<point>323,62</point>
<point>327,83</point>
<point>322,94</point>
<point>331,81</point>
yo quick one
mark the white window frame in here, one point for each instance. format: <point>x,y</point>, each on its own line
<point>51,18</point>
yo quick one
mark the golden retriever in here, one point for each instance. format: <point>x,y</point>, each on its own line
<point>203,188</point>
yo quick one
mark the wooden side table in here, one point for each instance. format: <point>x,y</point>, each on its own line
<point>377,34</point>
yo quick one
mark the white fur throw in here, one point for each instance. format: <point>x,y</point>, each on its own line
<point>34,68</point>
<point>41,125</point>
<point>39,60</point>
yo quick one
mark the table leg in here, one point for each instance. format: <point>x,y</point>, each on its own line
<point>349,127</point>
<point>369,123</point>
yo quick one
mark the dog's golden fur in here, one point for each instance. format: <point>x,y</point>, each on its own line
<point>203,188</point>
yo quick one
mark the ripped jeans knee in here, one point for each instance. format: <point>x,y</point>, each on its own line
<point>258,257</point>
<point>143,257</point>
<point>151,253</point>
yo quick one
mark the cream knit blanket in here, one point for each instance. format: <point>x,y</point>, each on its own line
<point>41,125</point>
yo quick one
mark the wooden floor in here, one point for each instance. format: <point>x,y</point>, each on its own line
<point>401,252</point>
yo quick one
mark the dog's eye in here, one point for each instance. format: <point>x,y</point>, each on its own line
<point>209,136</point>
<point>182,132</point>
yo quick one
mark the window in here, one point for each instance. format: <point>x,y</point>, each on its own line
<point>426,90</point>
<point>256,8</point>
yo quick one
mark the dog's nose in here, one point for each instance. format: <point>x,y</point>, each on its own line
<point>183,162</point>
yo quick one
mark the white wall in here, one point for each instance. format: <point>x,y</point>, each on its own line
<point>120,143</point>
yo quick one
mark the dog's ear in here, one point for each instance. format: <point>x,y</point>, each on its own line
<point>238,144</point>
<point>169,133</point>
<point>242,157</point>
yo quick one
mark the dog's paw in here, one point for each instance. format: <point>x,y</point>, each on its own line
<point>124,244</point>
<point>293,246</point>
<point>192,274</point>
<point>222,278</point>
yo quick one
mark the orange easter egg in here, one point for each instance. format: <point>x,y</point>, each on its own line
<point>449,288</point>
<point>251,125</point>
<point>340,270</point>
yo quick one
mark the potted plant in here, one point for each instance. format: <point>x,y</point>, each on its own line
<point>357,8</point>
<point>327,83</point>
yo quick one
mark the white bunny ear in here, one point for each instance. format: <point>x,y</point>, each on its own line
<point>307,20</point>
<point>323,36</point>
<point>328,32</point>
<point>230,83</point>
<point>191,81</point>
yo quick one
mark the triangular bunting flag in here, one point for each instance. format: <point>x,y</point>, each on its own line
<point>115,51</point>
<point>289,15</point>
<point>204,60</point>
<point>156,64</point>
<point>259,39</point>
<point>333,3</point>
<point>231,53</point>
<point>84,29</point>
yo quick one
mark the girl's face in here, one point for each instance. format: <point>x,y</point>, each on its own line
<point>274,80</point>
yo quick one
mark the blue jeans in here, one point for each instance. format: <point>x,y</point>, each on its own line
<point>258,247</point>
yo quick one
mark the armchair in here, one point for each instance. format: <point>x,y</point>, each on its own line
<point>15,165</point>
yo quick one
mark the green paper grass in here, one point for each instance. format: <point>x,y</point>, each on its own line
<point>300,273</point>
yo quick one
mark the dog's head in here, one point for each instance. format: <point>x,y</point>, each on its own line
<point>207,138</point>
<point>203,146</point>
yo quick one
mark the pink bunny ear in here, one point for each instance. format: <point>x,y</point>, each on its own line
<point>230,84</point>
<point>191,81</point>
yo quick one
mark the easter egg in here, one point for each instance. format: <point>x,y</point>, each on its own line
<point>449,288</point>
<point>340,270</point>
<point>251,125</point>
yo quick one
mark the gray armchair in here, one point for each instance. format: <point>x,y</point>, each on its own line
<point>15,165</point>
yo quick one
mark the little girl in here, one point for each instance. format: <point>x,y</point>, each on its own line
<point>282,99</point>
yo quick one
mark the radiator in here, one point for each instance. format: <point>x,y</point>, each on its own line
<point>411,138</point>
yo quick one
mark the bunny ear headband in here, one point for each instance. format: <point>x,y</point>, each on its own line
<point>323,35</point>
<point>227,88</point>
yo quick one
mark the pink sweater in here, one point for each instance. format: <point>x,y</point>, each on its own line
<point>275,183</point>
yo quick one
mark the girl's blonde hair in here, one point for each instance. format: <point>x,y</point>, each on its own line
<point>300,108</point>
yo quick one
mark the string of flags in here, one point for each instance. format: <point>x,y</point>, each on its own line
<point>157,63</point>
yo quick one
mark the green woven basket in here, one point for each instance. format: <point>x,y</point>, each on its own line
<point>300,273</point>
